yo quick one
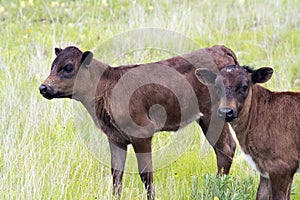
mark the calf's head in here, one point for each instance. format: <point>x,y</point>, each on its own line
<point>233,85</point>
<point>64,72</point>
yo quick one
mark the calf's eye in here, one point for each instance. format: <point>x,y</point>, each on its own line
<point>245,88</point>
<point>68,68</point>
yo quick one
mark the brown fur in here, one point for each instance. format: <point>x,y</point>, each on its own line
<point>94,87</point>
<point>269,132</point>
<point>266,125</point>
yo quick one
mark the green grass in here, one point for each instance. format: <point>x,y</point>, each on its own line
<point>43,152</point>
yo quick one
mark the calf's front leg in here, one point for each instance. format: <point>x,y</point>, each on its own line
<point>281,186</point>
<point>142,148</point>
<point>118,158</point>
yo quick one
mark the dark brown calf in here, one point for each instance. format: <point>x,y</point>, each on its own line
<point>126,101</point>
<point>266,125</point>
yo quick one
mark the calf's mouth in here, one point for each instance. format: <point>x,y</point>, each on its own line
<point>50,93</point>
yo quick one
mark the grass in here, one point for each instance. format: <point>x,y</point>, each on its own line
<point>44,154</point>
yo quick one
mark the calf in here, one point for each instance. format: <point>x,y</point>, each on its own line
<point>266,124</point>
<point>126,103</point>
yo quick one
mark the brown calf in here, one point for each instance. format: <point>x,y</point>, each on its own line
<point>125,102</point>
<point>266,125</point>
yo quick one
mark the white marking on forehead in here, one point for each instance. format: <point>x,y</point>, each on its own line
<point>230,69</point>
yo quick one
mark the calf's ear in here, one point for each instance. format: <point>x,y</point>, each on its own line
<point>86,58</point>
<point>262,75</point>
<point>57,50</point>
<point>206,76</point>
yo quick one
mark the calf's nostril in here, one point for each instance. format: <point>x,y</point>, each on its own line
<point>225,111</point>
<point>230,113</point>
<point>43,89</point>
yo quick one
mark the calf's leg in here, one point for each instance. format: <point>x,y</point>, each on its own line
<point>142,148</point>
<point>264,189</point>
<point>224,147</point>
<point>118,158</point>
<point>224,150</point>
<point>281,186</point>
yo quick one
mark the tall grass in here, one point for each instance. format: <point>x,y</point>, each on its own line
<point>42,153</point>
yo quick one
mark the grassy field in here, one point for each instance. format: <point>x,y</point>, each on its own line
<point>44,154</point>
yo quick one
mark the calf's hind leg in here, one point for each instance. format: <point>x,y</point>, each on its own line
<point>142,148</point>
<point>224,147</point>
<point>264,189</point>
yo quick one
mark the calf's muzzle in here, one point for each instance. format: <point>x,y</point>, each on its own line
<point>46,91</point>
<point>226,113</point>
<point>43,89</point>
